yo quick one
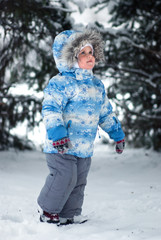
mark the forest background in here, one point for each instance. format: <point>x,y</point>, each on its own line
<point>131,72</point>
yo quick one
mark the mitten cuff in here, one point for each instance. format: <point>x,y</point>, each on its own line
<point>61,142</point>
<point>120,141</point>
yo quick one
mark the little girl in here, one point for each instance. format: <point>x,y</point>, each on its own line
<point>75,104</point>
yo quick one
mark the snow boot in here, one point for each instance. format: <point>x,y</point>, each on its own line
<point>65,221</point>
<point>49,217</point>
<point>80,219</point>
<point>76,220</point>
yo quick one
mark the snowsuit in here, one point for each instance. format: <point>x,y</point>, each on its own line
<point>75,104</point>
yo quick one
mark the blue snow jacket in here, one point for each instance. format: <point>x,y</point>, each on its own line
<point>75,104</point>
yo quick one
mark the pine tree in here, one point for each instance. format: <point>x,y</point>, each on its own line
<point>27,30</point>
<point>133,61</point>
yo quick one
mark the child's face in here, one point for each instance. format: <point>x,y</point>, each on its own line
<point>85,58</point>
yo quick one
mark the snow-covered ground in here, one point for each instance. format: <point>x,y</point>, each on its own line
<point>122,199</point>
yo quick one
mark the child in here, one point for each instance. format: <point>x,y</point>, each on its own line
<point>75,103</point>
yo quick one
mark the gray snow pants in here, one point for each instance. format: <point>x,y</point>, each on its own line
<point>63,191</point>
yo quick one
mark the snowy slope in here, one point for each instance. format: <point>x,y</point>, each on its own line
<point>122,200</point>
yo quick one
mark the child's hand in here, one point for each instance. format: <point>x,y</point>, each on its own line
<point>120,145</point>
<point>62,145</point>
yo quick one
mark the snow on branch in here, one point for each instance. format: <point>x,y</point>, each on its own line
<point>58,8</point>
<point>155,76</point>
<point>122,33</point>
<point>148,78</point>
<point>138,114</point>
<point>155,53</point>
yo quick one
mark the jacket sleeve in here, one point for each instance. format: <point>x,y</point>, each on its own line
<point>109,122</point>
<point>53,105</point>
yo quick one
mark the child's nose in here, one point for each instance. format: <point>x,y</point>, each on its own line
<point>89,55</point>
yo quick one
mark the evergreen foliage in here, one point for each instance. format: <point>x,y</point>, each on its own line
<point>133,61</point>
<point>27,30</point>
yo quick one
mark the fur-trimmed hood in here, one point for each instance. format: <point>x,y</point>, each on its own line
<point>67,46</point>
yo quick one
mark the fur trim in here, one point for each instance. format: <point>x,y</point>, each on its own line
<point>72,49</point>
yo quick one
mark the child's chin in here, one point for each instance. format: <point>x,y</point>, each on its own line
<point>89,66</point>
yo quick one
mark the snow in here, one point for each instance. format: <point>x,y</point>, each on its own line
<point>86,15</point>
<point>122,198</point>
